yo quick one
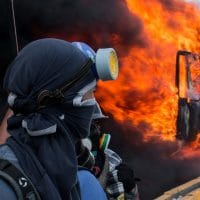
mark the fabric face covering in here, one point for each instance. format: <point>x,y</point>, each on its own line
<point>43,142</point>
<point>78,99</point>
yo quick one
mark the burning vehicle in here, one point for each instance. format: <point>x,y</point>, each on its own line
<point>188,85</point>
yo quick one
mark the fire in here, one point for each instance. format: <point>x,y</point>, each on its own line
<point>195,75</point>
<point>192,149</point>
<point>145,94</point>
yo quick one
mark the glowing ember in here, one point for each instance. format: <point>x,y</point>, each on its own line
<point>145,93</point>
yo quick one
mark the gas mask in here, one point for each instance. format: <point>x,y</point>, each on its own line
<point>104,65</point>
<point>105,61</point>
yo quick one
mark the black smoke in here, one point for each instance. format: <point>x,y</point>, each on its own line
<point>101,23</point>
<point>7,42</point>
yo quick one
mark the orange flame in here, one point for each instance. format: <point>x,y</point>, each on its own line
<point>195,76</point>
<point>145,91</point>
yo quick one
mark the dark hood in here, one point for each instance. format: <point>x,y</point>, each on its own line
<point>47,64</point>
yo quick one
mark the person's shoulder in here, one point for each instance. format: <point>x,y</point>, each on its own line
<point>90,187</point>
<point>6,191</point>
<point>7,153</point>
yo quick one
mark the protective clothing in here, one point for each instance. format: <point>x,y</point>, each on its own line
<point>105,65</point>
<point>91,190</point>
<point>43,80</point>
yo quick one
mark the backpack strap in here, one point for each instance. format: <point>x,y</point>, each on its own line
<point>22,186</point>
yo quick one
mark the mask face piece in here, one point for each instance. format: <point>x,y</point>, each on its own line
<point>78,99</point>
<point>98,113</point>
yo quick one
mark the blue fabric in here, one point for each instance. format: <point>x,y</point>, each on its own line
<point>44,64</point>
<point>89,52</point>
<point>48,160</point>
<point>90,187</point>
<point>6,191</point>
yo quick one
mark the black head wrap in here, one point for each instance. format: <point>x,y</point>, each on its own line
<point>43,139</point>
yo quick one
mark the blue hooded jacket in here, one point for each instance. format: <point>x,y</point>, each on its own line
<point>48,156</point>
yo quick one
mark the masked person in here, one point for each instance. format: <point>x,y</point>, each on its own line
<point>83,153</point>
<point>116,178</point>
<point>50,85</point>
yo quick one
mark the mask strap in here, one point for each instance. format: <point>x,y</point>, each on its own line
<point>83,72</point>
<point>47,97</point>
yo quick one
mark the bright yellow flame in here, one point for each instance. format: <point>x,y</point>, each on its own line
<point>144,96</point>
